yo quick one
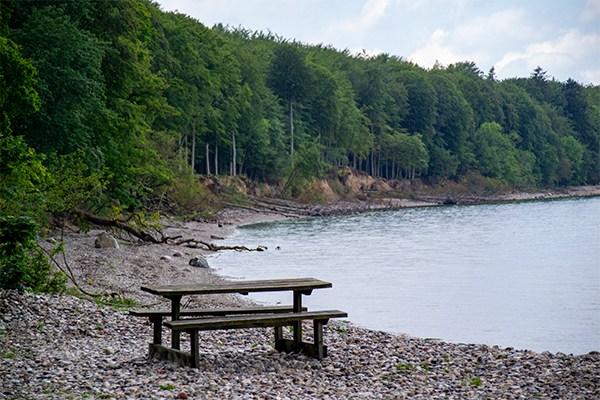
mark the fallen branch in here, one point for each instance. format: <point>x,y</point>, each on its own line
<point>146,237</point>
<point>265,210</point>
<point>195,244</point>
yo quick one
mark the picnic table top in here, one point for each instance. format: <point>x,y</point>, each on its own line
<point>242,287</point>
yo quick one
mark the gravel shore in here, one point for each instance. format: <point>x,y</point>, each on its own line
<point>67,347</point>
<point>62,347</point>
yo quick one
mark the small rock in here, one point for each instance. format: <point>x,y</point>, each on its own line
<point>216,237</point>
<point>177,254</point>
<point>106,241</point>
<point>199,262</point>
<point>182,395</point>
<point>167,258</point>
<point>109,350</point>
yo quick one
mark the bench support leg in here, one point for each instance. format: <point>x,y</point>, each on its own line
<point>298,324</point>
<point>194,350</point>
<point>318,335</point>
<point>279,338</point>
<point>175,310</point>
<point>157,327</point>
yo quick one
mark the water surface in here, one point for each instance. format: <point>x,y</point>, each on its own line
<point>525,275</point>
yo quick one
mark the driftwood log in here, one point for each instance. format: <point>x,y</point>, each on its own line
<point>123,225</point>
<point>146,237</point>
<point>195,244</point>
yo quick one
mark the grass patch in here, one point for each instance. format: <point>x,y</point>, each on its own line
<point>475,382</point>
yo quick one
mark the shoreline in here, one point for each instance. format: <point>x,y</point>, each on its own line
<point>65,347</point>
<point>573,193</point>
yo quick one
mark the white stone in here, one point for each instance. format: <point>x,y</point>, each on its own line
<point>106,241</point>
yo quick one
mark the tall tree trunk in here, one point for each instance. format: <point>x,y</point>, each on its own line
<point>193,146</point>
<point>207,160</point>
<point>179,155</point>
<point>291,132</point>
<point>216,159</point>
<point>372,172</point>
<point>233,161</point>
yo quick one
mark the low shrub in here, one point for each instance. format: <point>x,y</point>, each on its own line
<point>23,264</point>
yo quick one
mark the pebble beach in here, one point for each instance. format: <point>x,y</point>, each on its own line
<point>63,347</point>
<point>72,347</point>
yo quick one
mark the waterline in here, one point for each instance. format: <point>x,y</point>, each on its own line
<point>525,275</point>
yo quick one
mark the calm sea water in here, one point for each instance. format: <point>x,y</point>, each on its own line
<point>524,275</point>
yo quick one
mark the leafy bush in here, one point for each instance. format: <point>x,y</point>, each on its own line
<point>190,197</point>
<point>23,264</point>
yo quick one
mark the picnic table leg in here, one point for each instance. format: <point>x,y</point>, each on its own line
<point>157,327</point>
<point>318,335</point>
<point>175,314</point>
<point>297,325</point>
<point>194,350</point>
<point>279,338</point>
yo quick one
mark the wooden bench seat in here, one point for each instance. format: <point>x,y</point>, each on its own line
<point>156,316</point>
<point>192,326</point>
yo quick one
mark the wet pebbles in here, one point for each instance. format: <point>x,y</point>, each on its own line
<point>62,347</point>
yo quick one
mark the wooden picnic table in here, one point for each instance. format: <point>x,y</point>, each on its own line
<point>300,286</point>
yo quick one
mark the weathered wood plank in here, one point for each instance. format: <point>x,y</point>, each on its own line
<point>156,316</point>
<point>253,321</point>
<point>305,285</point>
<point>199,312</point>
<point>192,326</point>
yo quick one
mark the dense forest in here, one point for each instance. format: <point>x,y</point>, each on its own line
<point>117,104</point>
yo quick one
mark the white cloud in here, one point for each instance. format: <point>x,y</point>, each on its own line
<point>435,50</point>
<point>510,24</point>
<point>592,76</point>
<point>569,50</point>
<point>371,13</point>
<point>475,40</point>
<point>513,35</point>
<point>591,12</point>
<point>432,5</point>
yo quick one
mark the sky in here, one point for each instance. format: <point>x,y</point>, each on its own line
<point>515,37</point>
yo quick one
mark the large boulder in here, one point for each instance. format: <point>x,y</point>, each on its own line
<point>199,262</point>
<point>106,241</point>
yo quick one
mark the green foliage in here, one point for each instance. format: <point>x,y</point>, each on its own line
<point>117,302</point>
<point>36,186</point>
<point>17,93</point>
<point>475,381</point>
<point>6,9</point>
<point>191,198</point>
<point>495,153</point>
<point>289,76</point>
<point>23,265</point>
<point>21,172</point>
<point>31,190</point>
<point>62,53</point>
<point>308,165</point>
<point>145,98</point>
<point>401,367</point>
